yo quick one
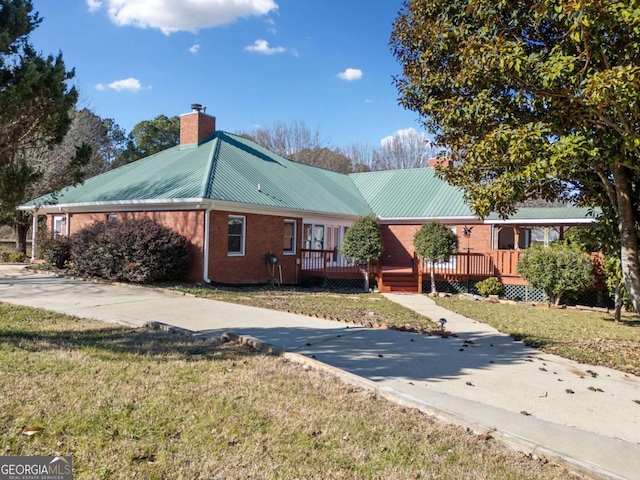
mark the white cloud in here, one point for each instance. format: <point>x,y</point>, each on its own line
<point>171,16</point>
<point>368,100</point>
<point>408,134</point>
<point>351,74</point>
<point>130,84</point>
<point>94,5</point>
<point>272,26</point>
<point>195,48</point>
<point>262,46</point>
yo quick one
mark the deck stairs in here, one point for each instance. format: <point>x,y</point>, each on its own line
<point>401,280</point>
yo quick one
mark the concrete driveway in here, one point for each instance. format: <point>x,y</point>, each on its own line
<point>479,378</point>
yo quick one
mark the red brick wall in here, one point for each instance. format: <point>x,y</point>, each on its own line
<point>189,223</point>
<point>480,240</point>
<point>264,234</point>
<point>398,242</point>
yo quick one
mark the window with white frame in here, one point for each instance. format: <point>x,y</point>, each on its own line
<point>236,236</point>
<point>112,217</point>
<point>59,225</point>
<point>289,246</point>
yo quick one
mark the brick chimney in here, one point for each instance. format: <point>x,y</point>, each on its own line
<point>196,125</point>
<point>440,162</point>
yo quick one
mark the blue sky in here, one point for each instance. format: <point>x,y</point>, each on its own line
<point>250,62</point>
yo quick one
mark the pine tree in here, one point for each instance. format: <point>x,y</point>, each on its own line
<point>35,101</point>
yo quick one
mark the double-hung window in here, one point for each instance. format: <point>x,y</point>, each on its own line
<point>289,237</point>
<point>236,236</point>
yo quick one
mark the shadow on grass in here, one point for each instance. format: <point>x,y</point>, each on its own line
<point>626,322</point>
<point>156,344</point>
<point>533,340</point>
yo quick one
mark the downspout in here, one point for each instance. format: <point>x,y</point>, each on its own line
<point>34,233</point>
<point>207,229</point>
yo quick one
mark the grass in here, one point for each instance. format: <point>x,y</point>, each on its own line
<point>586,337</point>
<point>363,308</point>
<point>135,403</point>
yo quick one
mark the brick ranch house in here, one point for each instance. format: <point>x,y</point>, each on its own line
<point>237,202</point>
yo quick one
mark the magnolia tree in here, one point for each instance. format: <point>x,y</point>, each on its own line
<point>557,269</point>
<point>362,245</point>
<point>531,99</point>
<point>435,242</point>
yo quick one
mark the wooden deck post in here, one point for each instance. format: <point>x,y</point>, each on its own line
<point>324,264</point>
<point>417,263</point>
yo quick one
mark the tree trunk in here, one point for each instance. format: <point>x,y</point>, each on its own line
<point>365,274</point>
<point>433,281</point>
<point>21,237</point>
<point>618,301</point>
<point>628,236</point>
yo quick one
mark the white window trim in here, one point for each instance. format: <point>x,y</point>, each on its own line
<point>62,220</point>
<point>295,236</point>
<point>244,236</point>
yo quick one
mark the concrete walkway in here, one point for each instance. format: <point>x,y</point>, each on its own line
<point>481,378</point>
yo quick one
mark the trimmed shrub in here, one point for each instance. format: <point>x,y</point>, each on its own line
<point>490,286</point>
<point>55,250</point>
<point>557,269</point>
<point>138,250</point>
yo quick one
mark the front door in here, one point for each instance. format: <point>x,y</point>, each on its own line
<point>333,243</point>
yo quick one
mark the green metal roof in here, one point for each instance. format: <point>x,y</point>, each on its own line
<point>412,193</point>
<point>233,169</point>
<point>227,168</point>
<point>173,173</point>
<point>241,166</point>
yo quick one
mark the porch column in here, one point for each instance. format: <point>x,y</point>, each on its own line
<point>496,237</point>
<point>546,236</point>
<point>516,238</point>
<point>34,234</point>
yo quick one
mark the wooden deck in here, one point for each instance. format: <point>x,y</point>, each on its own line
<point>461,267</point>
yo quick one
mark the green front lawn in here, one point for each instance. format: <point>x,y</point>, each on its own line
<point>134,403</point>
<point>593,338</point>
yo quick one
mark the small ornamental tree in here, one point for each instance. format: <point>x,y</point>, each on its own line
<point>435,242</point>
<point>556,269</point>
<point>362,245</point>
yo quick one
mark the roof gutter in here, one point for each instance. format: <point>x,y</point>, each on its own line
<point>178,203</point>
<point>419,220</point>
<point>543,221</point>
